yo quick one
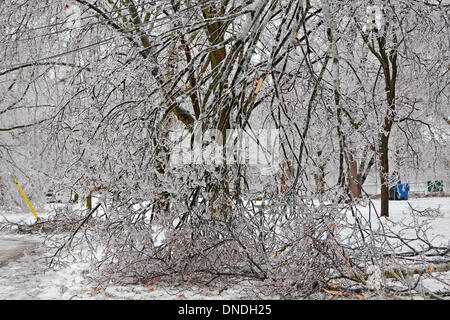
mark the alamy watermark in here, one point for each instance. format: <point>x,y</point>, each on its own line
<point>256,148</point>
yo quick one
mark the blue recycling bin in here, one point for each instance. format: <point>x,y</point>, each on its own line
<point>402,191</point>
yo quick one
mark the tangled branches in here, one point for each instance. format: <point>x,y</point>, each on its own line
<point>305,250</point>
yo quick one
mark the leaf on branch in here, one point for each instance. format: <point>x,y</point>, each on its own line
<point>334,292</point>
<point>258,86</point>
<point>333,284</point>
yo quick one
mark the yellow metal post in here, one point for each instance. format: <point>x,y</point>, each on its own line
<point>26,199</point>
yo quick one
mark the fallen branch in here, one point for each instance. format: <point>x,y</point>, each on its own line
<point>68,242</point>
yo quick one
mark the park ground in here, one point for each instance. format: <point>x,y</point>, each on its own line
<point>24,271</point>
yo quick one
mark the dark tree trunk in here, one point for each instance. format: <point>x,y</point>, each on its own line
<point>384,172</point>
<point>354,178</point>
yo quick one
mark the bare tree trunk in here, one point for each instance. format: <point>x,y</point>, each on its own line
<point>89,202</point>
<point>388,62</point>
<point>354,179</point>
<point>331,27</point>
<point>384,172</point>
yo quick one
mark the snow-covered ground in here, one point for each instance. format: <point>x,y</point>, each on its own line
<point>27,276</point>
<point>24,273</point>
<point>400,211</point>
